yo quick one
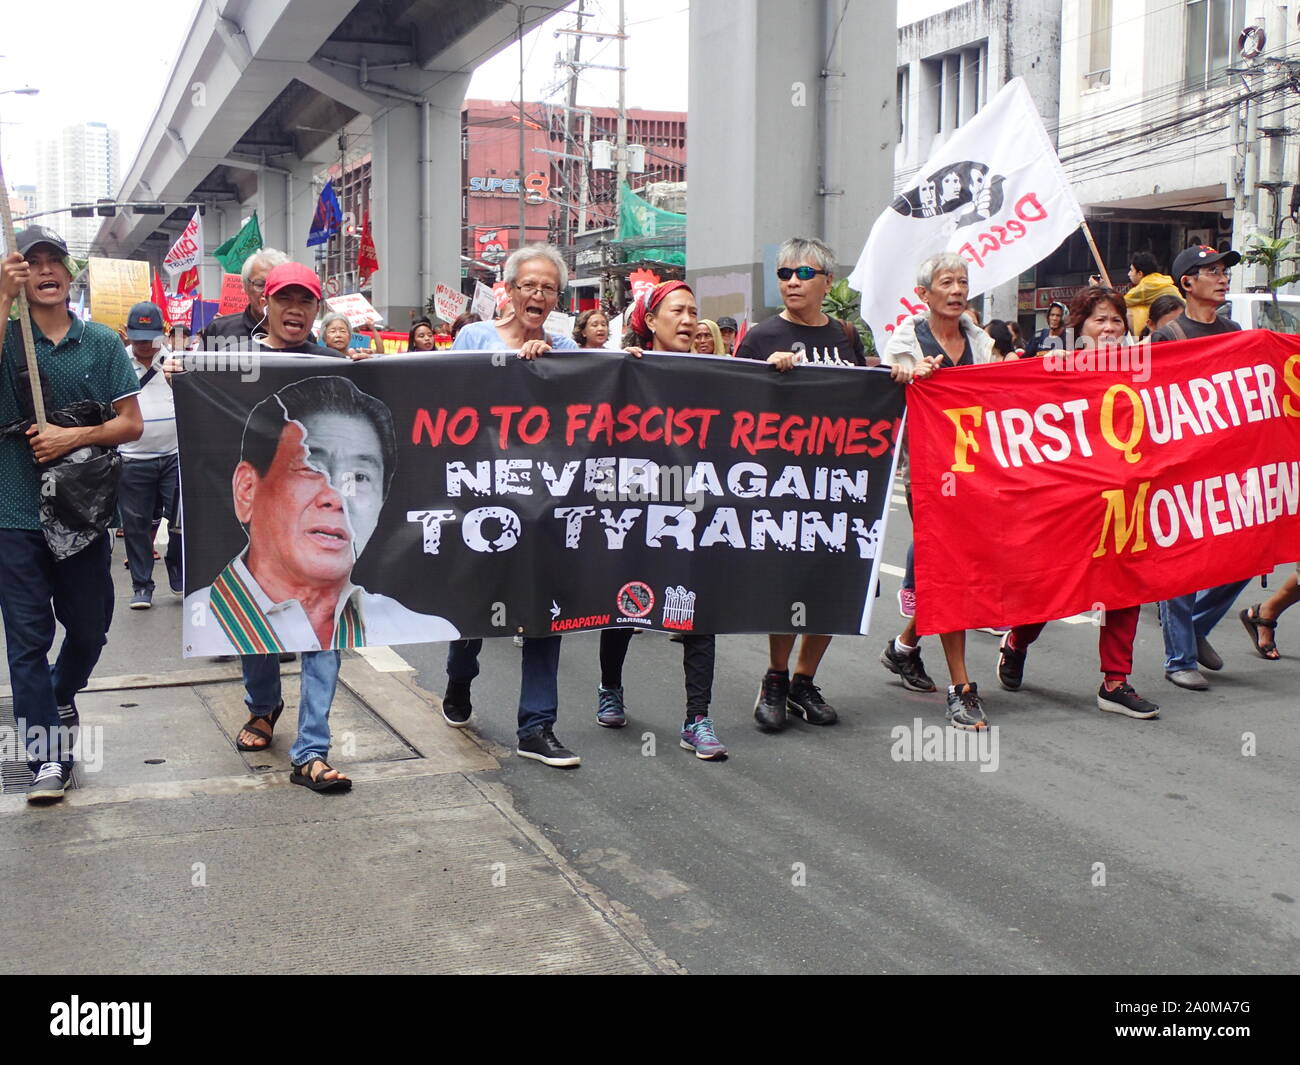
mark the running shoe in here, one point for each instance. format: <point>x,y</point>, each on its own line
<point>965,711</point>
<point>700,738</point>
<point>910,668</point>
<point>609,710</point>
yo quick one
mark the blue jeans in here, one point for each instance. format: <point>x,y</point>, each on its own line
<point>1191,616</point>
<point>539,697</point>
<point>34,591</point>
<point>320,676</point>
<point>147,486</point>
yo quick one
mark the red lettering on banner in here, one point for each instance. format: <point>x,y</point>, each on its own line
<point>542,417</point>
<point>462,428</point>
<point>504,414</point>
<point>575,420</point>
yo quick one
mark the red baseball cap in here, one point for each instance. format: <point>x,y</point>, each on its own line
<point>287,274</point>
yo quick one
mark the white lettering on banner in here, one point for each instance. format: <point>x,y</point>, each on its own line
<point>994,193</point>
<point>1224,504</point>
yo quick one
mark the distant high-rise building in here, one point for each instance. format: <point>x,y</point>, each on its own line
<point>80,165</point>
<point>23,200</point>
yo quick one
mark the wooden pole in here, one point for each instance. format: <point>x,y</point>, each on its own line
<point>1096,255</point>
<point>24,316</point>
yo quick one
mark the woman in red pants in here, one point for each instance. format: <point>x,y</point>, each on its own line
<point>1097,317</point>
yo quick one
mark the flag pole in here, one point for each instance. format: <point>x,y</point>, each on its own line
<point>1101,266</point>
<point>24,316</point>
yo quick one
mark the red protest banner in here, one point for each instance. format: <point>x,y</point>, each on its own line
<point>233,297</point>
<point>1102,479</point>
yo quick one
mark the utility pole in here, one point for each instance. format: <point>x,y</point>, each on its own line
<point>621,150</point>
<point>523,217</point>
<point>571,168</point>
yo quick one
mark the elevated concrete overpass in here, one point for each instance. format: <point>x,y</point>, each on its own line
<point>258,92</point>
<point>792,132</point>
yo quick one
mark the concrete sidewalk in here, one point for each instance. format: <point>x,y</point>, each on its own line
<point>180,854</point>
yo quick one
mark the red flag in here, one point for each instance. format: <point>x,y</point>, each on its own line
<point>367,257</point>
<point>159,299</point>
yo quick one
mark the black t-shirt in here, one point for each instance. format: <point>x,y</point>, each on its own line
<point>305,348</point>
<point>1184,328</point>
<point>825,345</point>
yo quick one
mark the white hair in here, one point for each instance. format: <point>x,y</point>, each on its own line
<point>806,250</point>
<point>534,251</point>
<point>945,260</point>
<point>270,256</point>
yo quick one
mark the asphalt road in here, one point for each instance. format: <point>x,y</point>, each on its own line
<point>1099,844</point>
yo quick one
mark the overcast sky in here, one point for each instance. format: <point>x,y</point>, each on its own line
<point>113,69</point>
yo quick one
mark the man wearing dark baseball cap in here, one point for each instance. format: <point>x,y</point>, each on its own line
<point>78,361</point>
<point>150,481</point>
<point>1201,275</point>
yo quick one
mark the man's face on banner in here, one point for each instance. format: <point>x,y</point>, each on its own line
<point>314,511</point>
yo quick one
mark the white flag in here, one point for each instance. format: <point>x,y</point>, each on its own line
<point>187,252</point>
<point>995,193</point>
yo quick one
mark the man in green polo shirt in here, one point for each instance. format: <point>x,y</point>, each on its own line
<point>78,361</point>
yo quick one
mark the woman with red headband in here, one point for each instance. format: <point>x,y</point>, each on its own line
<point>664,319</point>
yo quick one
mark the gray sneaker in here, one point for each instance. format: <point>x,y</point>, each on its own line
<point>141,600</point>
<point>50,783</point>
<point>1191,679</point>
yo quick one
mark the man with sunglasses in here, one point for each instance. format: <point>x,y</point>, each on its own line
<point>801,333</point>
<point>1201,275</point>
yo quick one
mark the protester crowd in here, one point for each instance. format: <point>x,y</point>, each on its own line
<point>86,362</point>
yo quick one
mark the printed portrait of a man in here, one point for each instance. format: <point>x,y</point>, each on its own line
<point>316,461</point>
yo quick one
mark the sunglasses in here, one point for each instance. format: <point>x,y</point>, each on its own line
<point>803,273</point>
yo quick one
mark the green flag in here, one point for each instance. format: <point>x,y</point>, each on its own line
<point>647,232</point>
<point>232,253</point>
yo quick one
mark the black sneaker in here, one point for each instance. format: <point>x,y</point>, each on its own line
<point>50,783</point>
<point>1011,665</point>
<point>1124,700</point>
<point>769,707</point>
<point>68,716</point>
<point>910,668</point>
<point>805,699</point>
<point>542,746</point>
<point>965,711</point>
<point>456,707</point>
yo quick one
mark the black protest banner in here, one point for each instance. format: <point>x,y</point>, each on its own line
<point>417,497</point>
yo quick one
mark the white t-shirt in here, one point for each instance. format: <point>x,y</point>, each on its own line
<point>158,409</point>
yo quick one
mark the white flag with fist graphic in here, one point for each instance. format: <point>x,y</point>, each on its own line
<point>995,193</point>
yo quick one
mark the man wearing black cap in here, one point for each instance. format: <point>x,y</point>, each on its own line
<point>79,361</point>
<point>150,478</point>
<point>1201,275</point>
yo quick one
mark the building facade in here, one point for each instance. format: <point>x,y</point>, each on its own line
<point>952,63</point>
<point>567,189</point>
<point>79,165</point>
<point>1172,131</point>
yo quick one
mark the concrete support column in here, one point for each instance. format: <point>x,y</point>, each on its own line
<point>755,126</point>
<point>400,209</point>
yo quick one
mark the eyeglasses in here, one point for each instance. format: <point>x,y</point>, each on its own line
<point>532,288</point>
<point>803,273</point>
<point>1213,271</point>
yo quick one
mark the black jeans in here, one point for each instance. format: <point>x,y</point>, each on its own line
<point>697,665</point>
